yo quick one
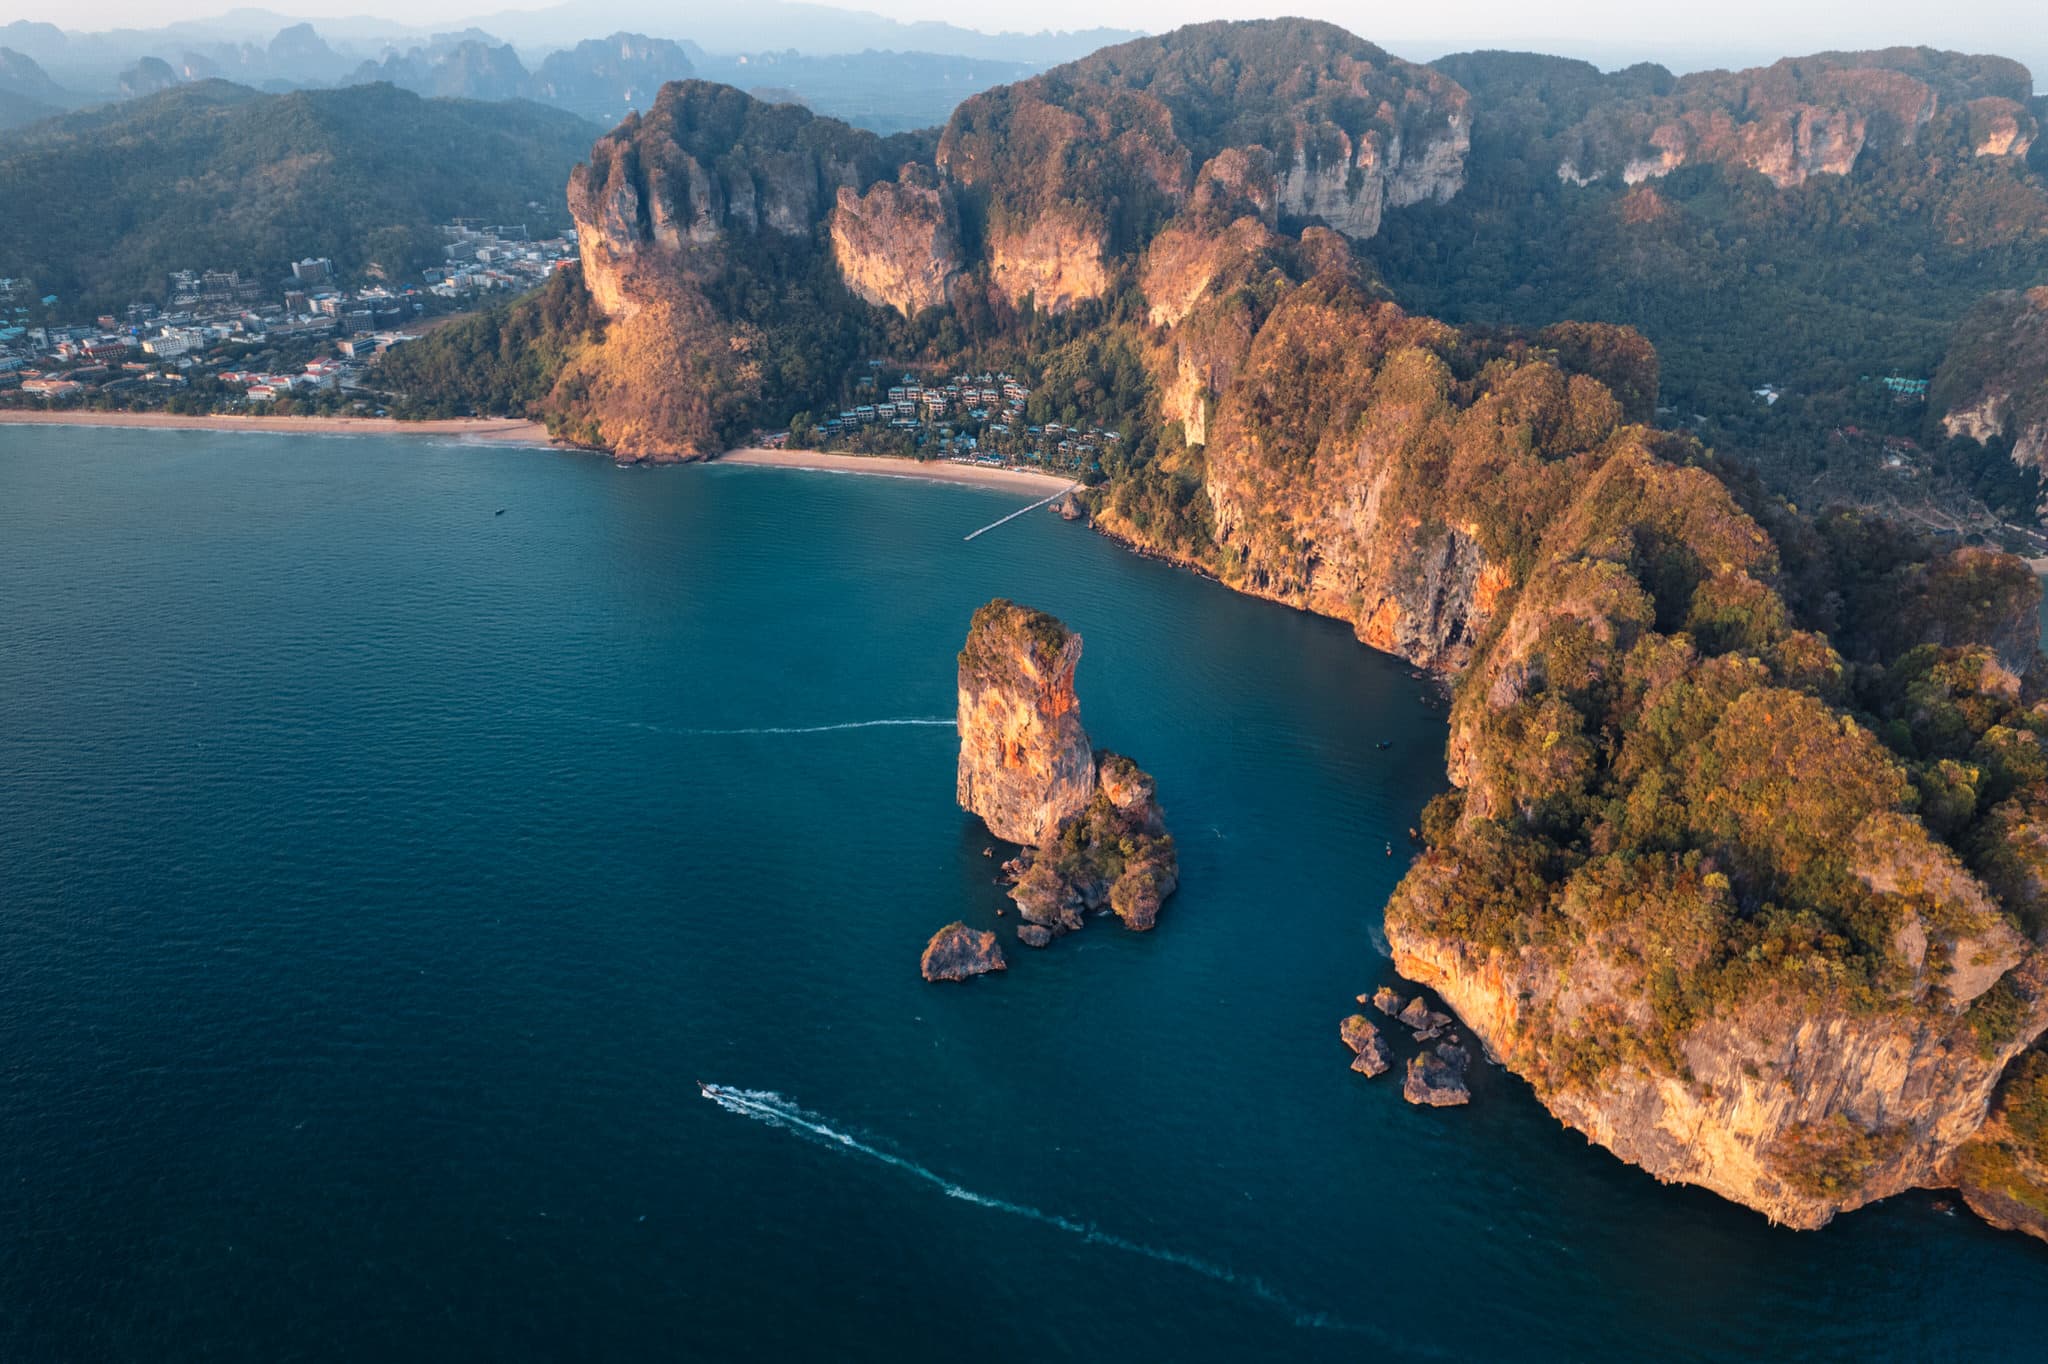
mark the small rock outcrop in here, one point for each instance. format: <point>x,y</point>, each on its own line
<point>1370,1053</point>
<point>957,952</point>
<point>1090,823</point>
<point>1424,1021</point>
<point>1435,1082</point>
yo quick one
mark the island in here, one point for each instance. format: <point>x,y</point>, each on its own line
<point>1091,833</point>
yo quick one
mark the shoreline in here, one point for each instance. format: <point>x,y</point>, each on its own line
<point>894,466</point>
<point>498,430</point>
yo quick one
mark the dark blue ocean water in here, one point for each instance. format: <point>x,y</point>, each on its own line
<point>378,875</point>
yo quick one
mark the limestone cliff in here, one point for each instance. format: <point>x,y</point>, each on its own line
<point>668,204</point>
<point>1206,291</point>
<point>2003,1170</point>
<point>1043,196</point>
<point>1677,1000</point>
<point>1347,183</point>
<point>1992,386</point>
<point>1797,1112</point>
<point>898,245</point>
<point>957,952</point>
<point>1800,117</point>
<point>1025,763</point>
<point>1079,167</point>
<point>1056,261</point>
<point>1329,509</point>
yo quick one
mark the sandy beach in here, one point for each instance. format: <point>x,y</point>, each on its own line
<point>889,466</point>
<point>508,430</point>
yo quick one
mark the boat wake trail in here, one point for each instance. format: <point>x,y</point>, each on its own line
<point>907,722</point>
<point>910,722</point>
<point>773,1109</point>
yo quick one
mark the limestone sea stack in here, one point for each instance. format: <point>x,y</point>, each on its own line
<point>1089,822</point>
<point>1025,763</point>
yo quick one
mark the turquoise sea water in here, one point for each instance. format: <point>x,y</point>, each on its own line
<point>378,874</point>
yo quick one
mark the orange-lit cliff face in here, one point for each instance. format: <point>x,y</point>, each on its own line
<point>1026,765</point>
<point>1094,838</point>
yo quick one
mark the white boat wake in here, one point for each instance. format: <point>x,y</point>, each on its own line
<point>911,721</point>
<point>773,1109</point>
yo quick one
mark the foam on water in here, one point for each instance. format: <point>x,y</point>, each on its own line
<point>775,1110</point>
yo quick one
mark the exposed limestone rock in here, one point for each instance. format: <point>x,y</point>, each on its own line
<point>1776,1091</point>
<point>1034,935</point>
<point>1025,764</point>
<point>1982,421</point>
<point>1993,382</point>
<point>1943,907</point>
<point>898,245</point>
<point>1387,1001</point>
<point>657,211</point>
<point>2001,127</point>
<point>1114,855</point>
<point>2002,1171</point>
<point>957,952</point>
<point>1423,1020</point>
<point>1371,1055</point>
<point>1348,184</point>
<point>1433,1082</point>
<point>1056,262</point>
<point>1333,528</point>
<point>1798,118</point>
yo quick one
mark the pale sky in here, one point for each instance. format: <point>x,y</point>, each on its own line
<point>1623,26</point>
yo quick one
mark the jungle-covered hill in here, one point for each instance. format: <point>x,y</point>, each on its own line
<point>101,205</point>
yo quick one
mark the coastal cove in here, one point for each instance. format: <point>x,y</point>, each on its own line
<point>380,872</point>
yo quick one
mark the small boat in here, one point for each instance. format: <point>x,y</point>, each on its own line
<point>499,512</point>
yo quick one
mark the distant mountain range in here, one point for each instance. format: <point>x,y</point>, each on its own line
<point>603,78</point>
<point>871,71</point>
<point>269,50</point>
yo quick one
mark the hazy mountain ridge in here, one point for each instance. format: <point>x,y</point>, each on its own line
<point>263,49</point>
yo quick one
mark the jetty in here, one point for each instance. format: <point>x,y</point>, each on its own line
<point>1021,510</point>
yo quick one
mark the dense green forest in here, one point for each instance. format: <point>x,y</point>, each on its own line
<point>102,205</point>
<point>501,362</point>
<point>1814,289</point>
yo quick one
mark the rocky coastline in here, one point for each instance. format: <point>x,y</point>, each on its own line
<point>1803,994</point>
